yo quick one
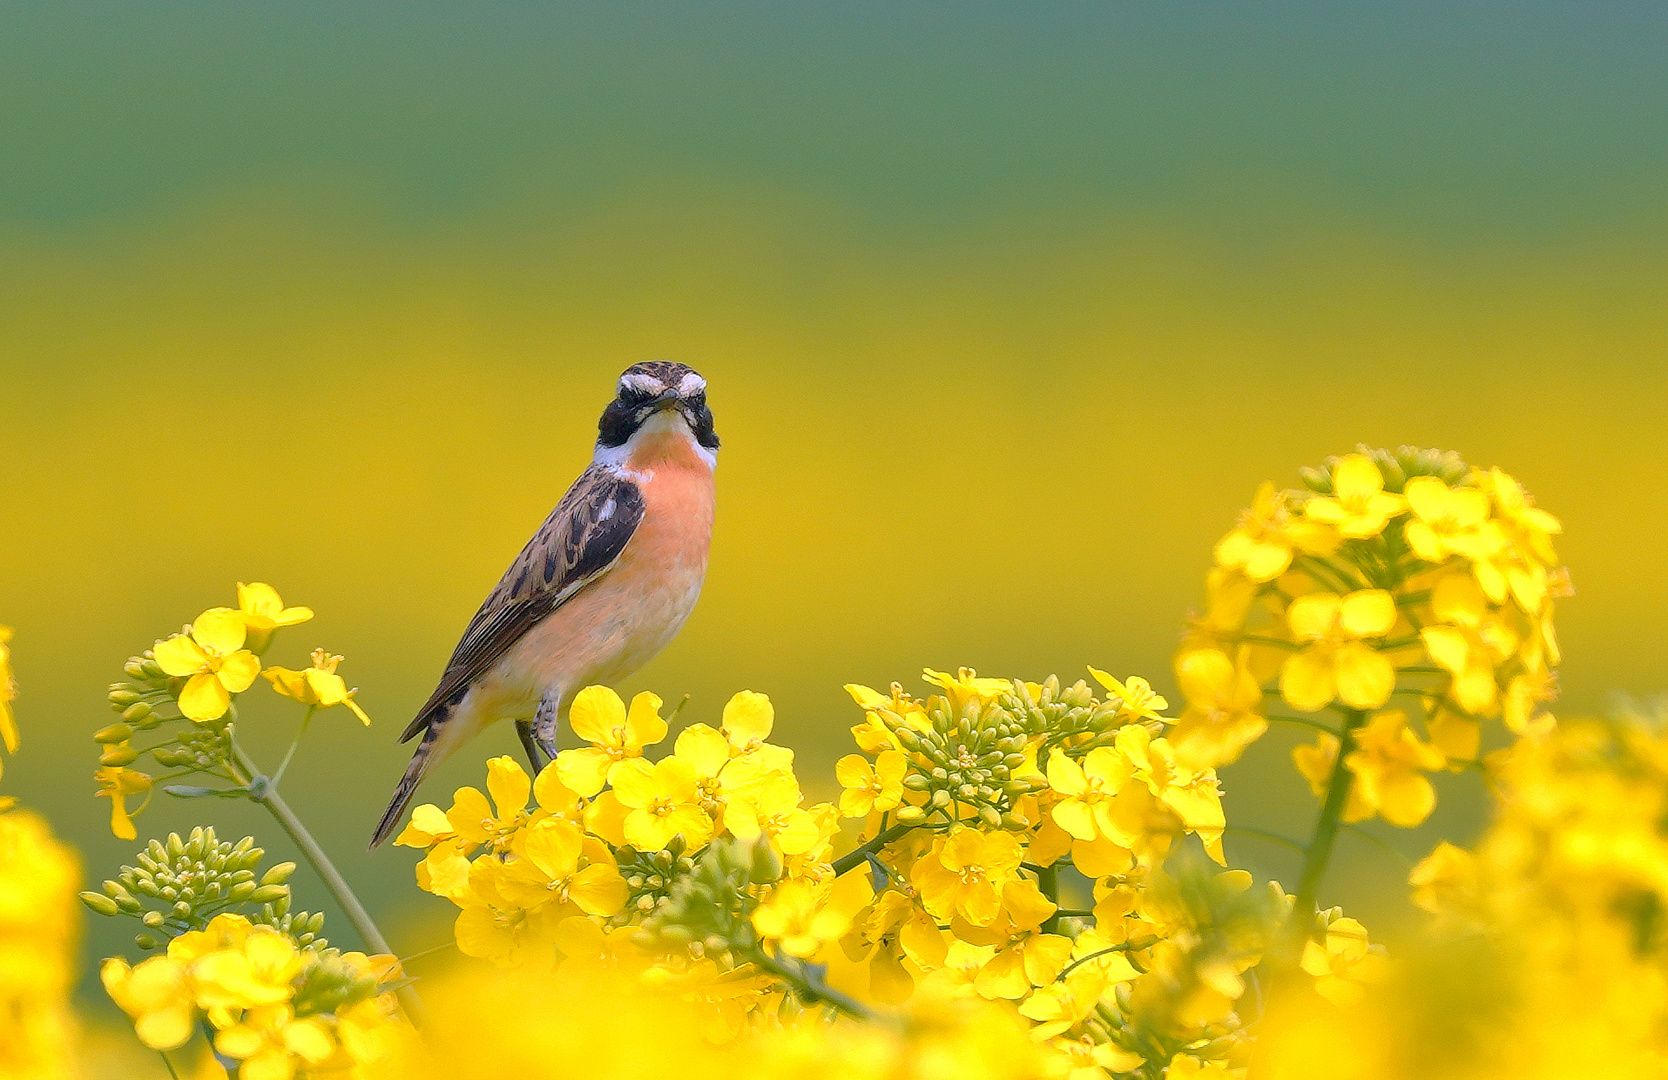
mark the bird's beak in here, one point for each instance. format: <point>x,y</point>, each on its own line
<point>665,400</point>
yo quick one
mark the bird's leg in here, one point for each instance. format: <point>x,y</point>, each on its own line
<point>544,725</point>
<point>535,757</point>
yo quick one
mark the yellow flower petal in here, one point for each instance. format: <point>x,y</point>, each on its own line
<point>179,655</point>
<point>220,630</point>
<point>239,671</point>
<point>596,714</point>
<point>748,717</point>
<point>204,698</point>
<point>1367,613</point>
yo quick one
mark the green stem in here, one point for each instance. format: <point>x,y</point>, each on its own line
<point>801,979</point>
<point>170,1064</point>
<point>294,743</point>
<point>1318,853</point>
<point>856,855</point>
<point>261,790</point>
<point>1048,881</point>
<point>1265,834</point>
<point>1380,841</point>
<point>1316,724</point>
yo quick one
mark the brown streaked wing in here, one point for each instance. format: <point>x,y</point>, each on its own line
<point>577,543</point>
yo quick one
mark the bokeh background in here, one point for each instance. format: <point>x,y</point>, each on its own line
<point>1006,310</point>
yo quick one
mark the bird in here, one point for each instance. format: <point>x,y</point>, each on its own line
<point>603,586</point>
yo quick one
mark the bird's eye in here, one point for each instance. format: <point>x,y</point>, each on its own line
<point>633,395</point>
<point>698,400</point>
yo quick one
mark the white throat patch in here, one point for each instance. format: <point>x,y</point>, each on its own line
<point>666,421</point>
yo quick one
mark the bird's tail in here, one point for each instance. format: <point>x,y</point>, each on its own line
<point>420,762</point>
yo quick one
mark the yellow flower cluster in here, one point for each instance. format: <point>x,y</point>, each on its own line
<point>38,931</point>
<point>607,828</point>
<point>985,808</point>
<point>1547,954</point>
<point>38,927</point>
<point>196,676</point>
<point>276,1010</point>
<point>1406,593</point>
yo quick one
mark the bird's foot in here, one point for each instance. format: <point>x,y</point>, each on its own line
<point>537,754</point>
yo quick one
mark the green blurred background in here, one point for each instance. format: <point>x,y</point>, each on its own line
<point>1006,310</point>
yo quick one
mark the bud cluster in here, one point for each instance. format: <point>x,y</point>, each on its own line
<point>650,876</point>
<point>706,910</point>
<point>180,884</point>
<point>966,763</point>
<point>1069,717</point>
<point>1397,467</point>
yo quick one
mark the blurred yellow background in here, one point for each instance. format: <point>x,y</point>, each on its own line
<point>1005,313</point>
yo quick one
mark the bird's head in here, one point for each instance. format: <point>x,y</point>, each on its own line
<point>656,397</point>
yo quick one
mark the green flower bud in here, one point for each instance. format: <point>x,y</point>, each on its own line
<point>119,756</point>
<point>145,941</point>
<point>278,874</point>
<point>241,892</point>
<point>910,815</point>
<point>990,818</point>
<point>100,903</point>
<point>135,668</point>
<point>268,894</point>
<point>152,919</point>
<point>916,782</point>
<point>115,733</point>
<point>941,798</point>
<point>766,867</point>
<point>182,909</point>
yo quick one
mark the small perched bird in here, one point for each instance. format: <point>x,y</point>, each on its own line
<point>603,586</point>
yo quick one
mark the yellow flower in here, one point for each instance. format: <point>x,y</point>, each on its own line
<point>269,1041</point>
<point>491,926</point>
<point>558,863</point>
<point>263,613</point>
<point>475,821</point>
<point>318,686</point>
<point>1446,881</point>
<point>662,801</point>
<point>964,873</point>
<point>1344,962</point>
<point>1062,1005</point>
<point>1359,506</point>
<point>770,807</point>
<point>870,788</point>
<point>1445,520</point>
<point>116,783</point>
<point>747,720</point>
<point>1138,701</point>
<point>212,659</point>
<point>8,693</point>
<point>157,995</point>
<point>1387,763</point>
<point>966,686</point>
<point>1334,662</point>
<point>598,716</point>
<point>1089,788</point>
<point>1315,762</point>
<point>1223,714</point>
<point>259,973</point>
<point>802,918</point>
<point>1534,526</point>
<point>1261,546</point>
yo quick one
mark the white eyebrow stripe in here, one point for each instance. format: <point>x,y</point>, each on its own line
<point>691,383</point>
<point>646,384</point>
